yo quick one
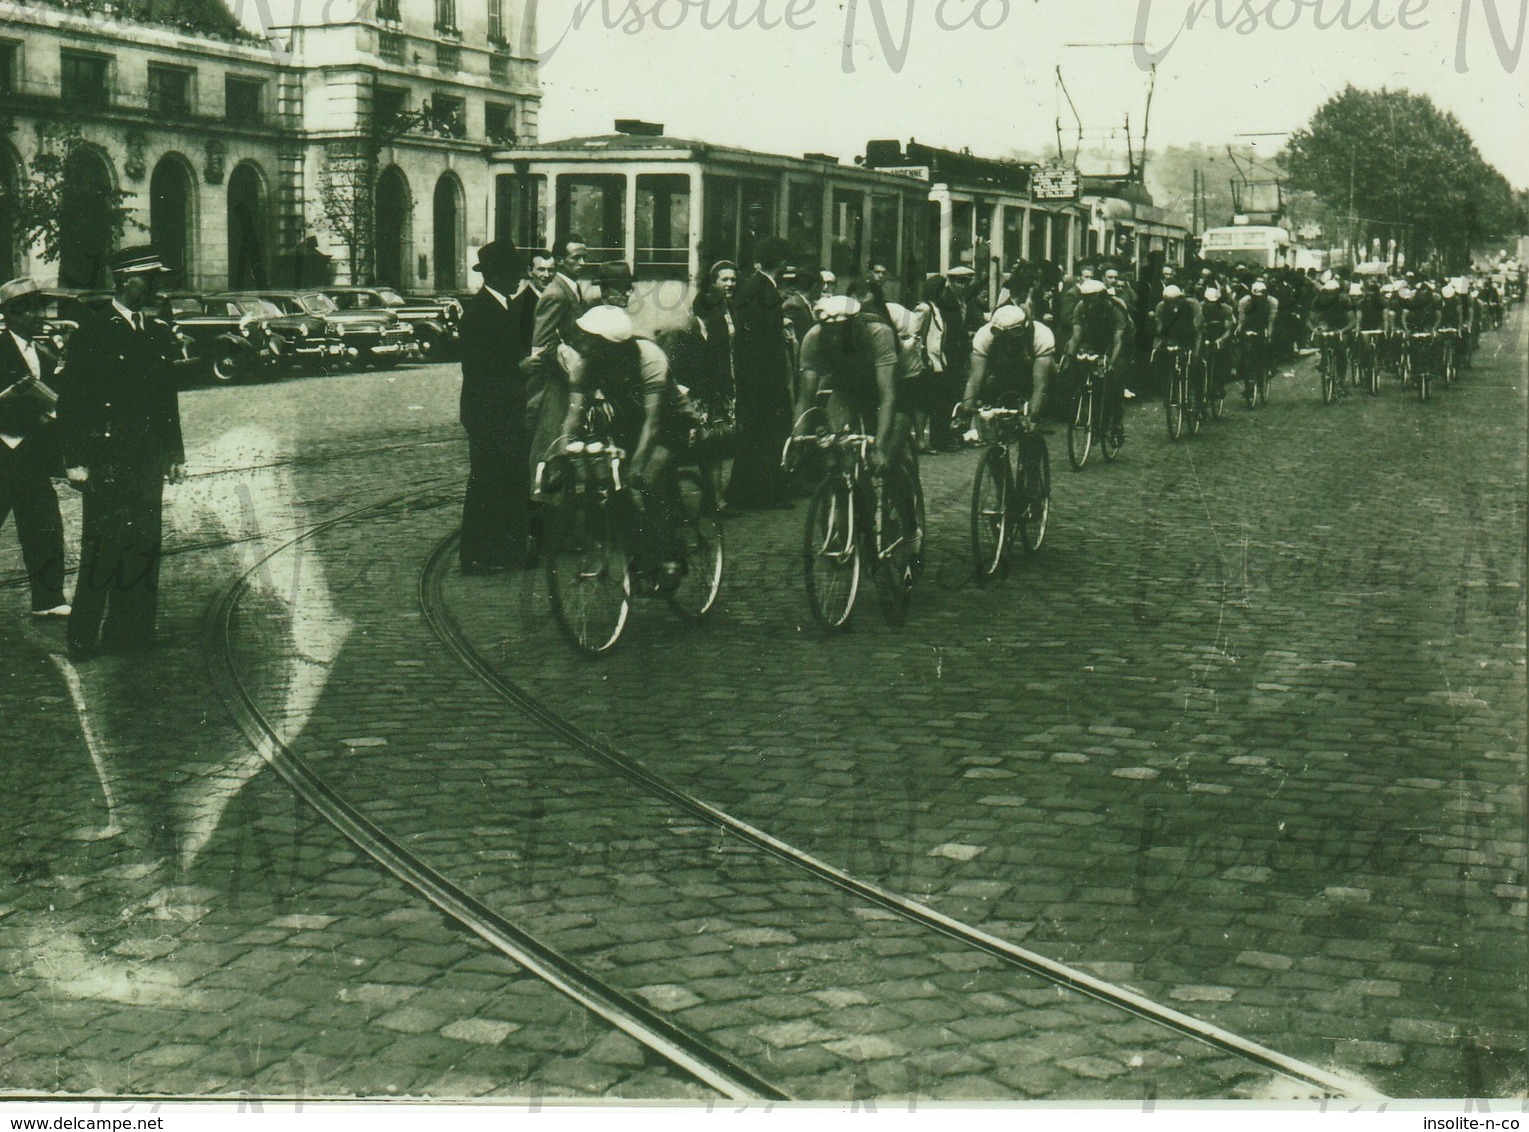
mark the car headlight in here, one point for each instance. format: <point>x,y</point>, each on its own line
<point>340,330</point>
<point>302,330</point>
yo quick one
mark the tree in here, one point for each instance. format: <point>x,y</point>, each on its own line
<point>1394,166</point>
<point>348,179</point>
<point>53,197</point>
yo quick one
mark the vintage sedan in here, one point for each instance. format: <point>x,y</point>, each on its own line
<point>434,320</point>
<point>313,337</point>
<point>235,337</point>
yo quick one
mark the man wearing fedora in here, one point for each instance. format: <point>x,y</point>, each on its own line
<point>496,511</point>
<point>119,420</point>
<point>29,456</point>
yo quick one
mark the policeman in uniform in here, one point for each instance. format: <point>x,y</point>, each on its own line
<point>29,457</point>
<point>119,420</point>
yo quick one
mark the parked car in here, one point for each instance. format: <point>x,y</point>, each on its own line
<point>434,320</point>
<point>312,338</point>
<point>232,337</point>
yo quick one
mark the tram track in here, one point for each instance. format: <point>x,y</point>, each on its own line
<point>656,1033</point>
<point>451,635</point>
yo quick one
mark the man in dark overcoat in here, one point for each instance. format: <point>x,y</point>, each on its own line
<point>495,513</point>
<point>29,456</point>
<point>119,421</point>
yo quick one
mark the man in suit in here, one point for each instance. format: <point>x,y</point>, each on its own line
<point>119,420</point>
<point>29,457</point>
<point>495,513</point>
<point>764,381</point>
<point>558,309</point>
<point>538,276</point>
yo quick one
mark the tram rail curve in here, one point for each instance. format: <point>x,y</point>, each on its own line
<point>449,632</point>
<point>674,1044</point>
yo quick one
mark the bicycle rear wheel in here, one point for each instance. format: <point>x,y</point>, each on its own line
<point>1033,495</point>
<point>1216,381</point>
<point>700,537</point>
<point>831,554</point>
<point>1080,433</point>
<point>1328,365</point>
<point>588,575</point>
<point>991,531</point>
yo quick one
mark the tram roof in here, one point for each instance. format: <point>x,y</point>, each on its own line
<point>663,147</point>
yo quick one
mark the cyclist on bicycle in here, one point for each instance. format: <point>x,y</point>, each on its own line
<point>1256,312</point>
<point>1217,322</point>
<point>624,378</point>
<point>1013,361</point>
<point>1100,327</point>
<point>1176,322</point>
<point>1333,319</point>
<point>853,354</point>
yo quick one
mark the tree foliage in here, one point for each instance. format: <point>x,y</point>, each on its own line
<point>53,194</point>
<point>1403,169</point>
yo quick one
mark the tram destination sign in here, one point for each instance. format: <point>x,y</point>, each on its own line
<point>1055,182</point>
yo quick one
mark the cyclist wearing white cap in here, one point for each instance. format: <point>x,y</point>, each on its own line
<point>852,354</point>
<point>1334,319</point>
<point>1218,321</point>
<point>1100,326</point>
<point>630,377</point>
<point>1176,322</point>
<point>1013,360</point>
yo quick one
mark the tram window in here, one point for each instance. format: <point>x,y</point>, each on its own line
<point>1039,248</point>
<point>520,210</point>
<point>1013,237</point>
<point>663,226</point>
<point>594,205</point>
<point>962,213</point>
<point>849,222</point>
<point>1058,239</point>
<point>738,213</point>
<point>804,222</point>
<point>884,230</point>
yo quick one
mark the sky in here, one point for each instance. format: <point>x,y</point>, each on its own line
<point>792,76</point>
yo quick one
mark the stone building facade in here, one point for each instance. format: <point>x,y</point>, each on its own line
<point>359,128</point>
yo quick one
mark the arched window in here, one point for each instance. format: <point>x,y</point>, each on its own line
<point>172,215</point>
<point>395,214</point>
<point>450,233</point>
<point>85,228</point>
<point>248,229</point>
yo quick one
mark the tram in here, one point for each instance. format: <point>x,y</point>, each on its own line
<point>1260,246</point>
<point>672,207</point>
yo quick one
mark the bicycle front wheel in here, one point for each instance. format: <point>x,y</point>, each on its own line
<point>588,575</point>
<point>831,554</point>
<point>991,531</point>
<point>699,534</point>
<point>1178,395</point>
<point>1329,367</point>
<point>1080,433</point>
<point>1034,495</point>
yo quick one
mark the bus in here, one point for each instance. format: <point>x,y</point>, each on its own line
<point>1250,245</point>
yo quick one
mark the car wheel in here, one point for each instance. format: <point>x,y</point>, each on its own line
<point>227,365</point>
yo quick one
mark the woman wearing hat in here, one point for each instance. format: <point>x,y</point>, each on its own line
<point>29,456</point>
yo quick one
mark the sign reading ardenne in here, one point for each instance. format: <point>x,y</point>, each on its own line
<point>1054,182</point>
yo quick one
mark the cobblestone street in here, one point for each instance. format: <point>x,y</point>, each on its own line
<point>1246,738</point>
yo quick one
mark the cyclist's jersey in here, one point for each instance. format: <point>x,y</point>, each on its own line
<point>1449,314</point>
<point>1101,319</point>
<point>847,355</point>
<point>1176,321</point>
<point>1422,312</point>
<point>1011,358</point>
<point>1216,320</point>
<point>1256,312</point>
<point>638,368</point>
<point>1330,311</point>
<point>1372,311</point>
